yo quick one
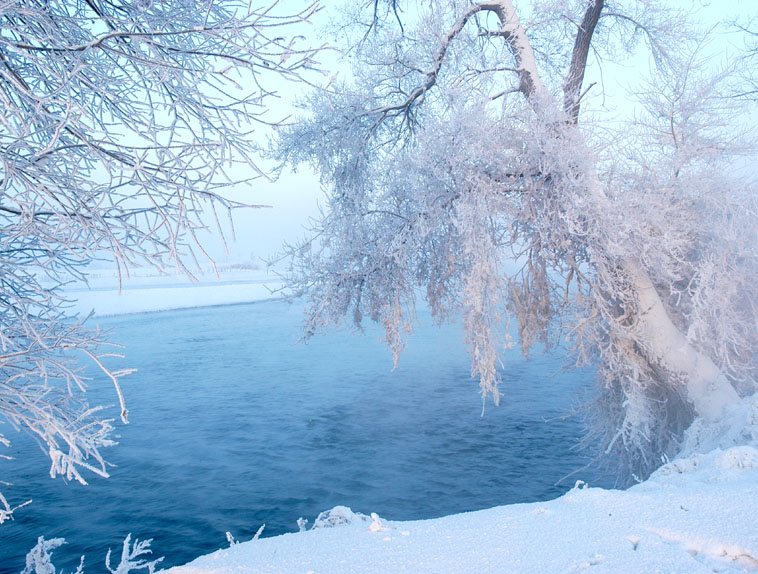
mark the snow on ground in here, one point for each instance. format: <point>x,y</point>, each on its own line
<point>697,514</point>
<point>152,292</point>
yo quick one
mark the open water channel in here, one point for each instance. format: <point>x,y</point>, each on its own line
<point>234,423</point>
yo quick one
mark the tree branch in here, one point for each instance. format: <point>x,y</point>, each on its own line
<point>573,84</point>
<point>513,33</point>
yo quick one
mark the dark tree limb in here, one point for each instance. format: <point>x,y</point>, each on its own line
<point>573,85</point>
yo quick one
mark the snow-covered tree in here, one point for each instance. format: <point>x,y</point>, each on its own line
<point>459,163</point>
<point>122,124</point>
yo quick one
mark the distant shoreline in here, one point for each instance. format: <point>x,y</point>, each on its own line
<point>145,294</point>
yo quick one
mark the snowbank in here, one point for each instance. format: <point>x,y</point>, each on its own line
<point>140,293</point>
<point>697,514</point>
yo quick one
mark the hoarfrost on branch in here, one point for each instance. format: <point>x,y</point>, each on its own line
<point>123,125</point>
<point>457,162</point>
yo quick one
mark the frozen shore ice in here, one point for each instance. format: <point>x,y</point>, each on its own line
<point>142,293</point>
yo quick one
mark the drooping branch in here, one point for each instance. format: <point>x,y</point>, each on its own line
<point>432,74</point>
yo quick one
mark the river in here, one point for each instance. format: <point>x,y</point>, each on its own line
<point>235,423</point>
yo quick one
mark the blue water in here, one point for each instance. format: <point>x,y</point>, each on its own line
<point>234,423</point>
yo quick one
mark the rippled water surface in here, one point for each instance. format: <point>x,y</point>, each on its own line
<point>235,424</point>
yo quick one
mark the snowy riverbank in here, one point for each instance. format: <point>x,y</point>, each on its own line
<point>696,514</point>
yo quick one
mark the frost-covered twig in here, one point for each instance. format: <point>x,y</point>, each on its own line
<point>130,557</point>
<point>39,558</point>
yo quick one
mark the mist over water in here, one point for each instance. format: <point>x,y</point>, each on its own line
<point>234,423</point>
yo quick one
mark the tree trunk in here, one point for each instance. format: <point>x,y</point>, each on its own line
<point>666,348</point>
<point>653,333</point>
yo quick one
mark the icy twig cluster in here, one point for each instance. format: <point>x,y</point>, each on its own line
<point>39,558</point>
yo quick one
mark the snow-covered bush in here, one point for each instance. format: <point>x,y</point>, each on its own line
<point>339,516</point>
